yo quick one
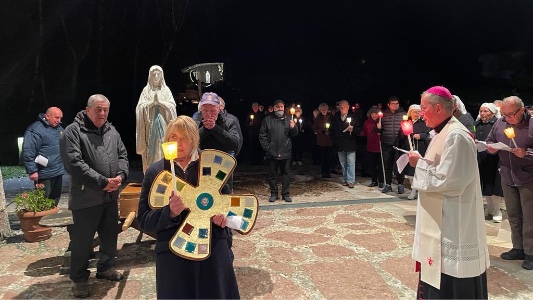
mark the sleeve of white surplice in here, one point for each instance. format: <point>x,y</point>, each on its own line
<point>454,172</point>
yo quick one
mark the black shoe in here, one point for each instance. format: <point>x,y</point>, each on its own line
<point>335,172</point>
<point>528,262</point>
<point>326,176</point>
<point>81,290</point>
<point>287,198</point>
<point>373,184</point>
<point>514,254</point>
<point>272,198</point>
<point>380,185</point>
<point>111,275</point>
<point>401,189</point>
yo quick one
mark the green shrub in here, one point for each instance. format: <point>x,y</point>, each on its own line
<point>10,172</point>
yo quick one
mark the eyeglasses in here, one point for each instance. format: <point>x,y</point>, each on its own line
<point>511,115</point>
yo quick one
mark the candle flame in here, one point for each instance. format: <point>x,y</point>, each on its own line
<point>509,132</point>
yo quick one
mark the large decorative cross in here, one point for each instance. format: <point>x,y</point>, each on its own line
<point>192,240</point>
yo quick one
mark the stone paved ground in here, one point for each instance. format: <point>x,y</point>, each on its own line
<point>330,243</point>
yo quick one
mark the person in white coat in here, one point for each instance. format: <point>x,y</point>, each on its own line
<point>450,245</point>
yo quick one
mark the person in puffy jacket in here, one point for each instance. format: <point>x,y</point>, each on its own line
<point>275,135</point>
<point>390,126</point>
<point>95,157</point>
<point>40,153</point>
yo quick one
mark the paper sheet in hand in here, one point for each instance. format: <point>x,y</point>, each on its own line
<point>500,146</point>
<point>404,159</point>
<point>407,152</point>
<point>402,162</point>
<point>43,161</point>
<point>234,222</point>
<point>481,146</point>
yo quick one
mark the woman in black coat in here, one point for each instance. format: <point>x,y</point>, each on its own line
<point>177,277</point>
<point>489,164</point>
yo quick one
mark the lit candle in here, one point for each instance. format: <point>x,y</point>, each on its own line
<point>252,117</point>
<point>170,150</point>
<point>292,110</point>
<point>405,117</point>
<point>327,126</point>
<point>509,132</point>
<point>407,129</point>
<point>300,121</point>
<point>380,115</point>
<point>349,120</point>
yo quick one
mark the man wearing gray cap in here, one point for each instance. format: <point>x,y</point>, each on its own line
<point>215,130</point>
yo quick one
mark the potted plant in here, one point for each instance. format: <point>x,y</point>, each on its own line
<point>31,206</point>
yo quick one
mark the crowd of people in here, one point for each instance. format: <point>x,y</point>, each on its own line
<point>453,161</point>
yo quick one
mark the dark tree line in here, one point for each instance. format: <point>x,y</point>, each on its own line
<point>59,52</point>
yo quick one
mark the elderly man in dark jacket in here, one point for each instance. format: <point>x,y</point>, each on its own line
<point>95,157</point>
<point>390,129</point>
<point>218,129</point>
<point>275,135</point>
<point>345,127</point>
<point>40,153</point>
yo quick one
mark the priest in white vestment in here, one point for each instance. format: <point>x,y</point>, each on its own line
<point>155,109</point>
<point>450,245</point>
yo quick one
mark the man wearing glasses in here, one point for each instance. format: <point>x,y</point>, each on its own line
<point>517,182</point>
<point>390,127</point>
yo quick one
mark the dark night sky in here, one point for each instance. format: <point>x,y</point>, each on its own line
<point>303,51</point>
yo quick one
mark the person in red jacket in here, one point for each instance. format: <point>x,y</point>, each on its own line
<point>372,146</point>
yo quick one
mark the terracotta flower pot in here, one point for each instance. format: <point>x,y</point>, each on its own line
<point>29,223</point>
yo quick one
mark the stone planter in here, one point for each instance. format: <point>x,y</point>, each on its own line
<point>29,223</point>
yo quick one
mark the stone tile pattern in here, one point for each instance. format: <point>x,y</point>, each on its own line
<point>360,251</point>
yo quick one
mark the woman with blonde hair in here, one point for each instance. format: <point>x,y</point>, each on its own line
<point>420,138</point>
<point>177,277</point>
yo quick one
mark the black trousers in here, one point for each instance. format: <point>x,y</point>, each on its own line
<point>297,148</point>
<point>101,219</point>
<point>375,170</point>
<point>256,151</point>
<point>283,165</point>
<point>455,288</point>
<point>52,187</point>
<point>327,161</point>
<point>389,159</point>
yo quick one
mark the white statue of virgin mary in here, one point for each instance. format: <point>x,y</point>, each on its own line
<point>155,109</point>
